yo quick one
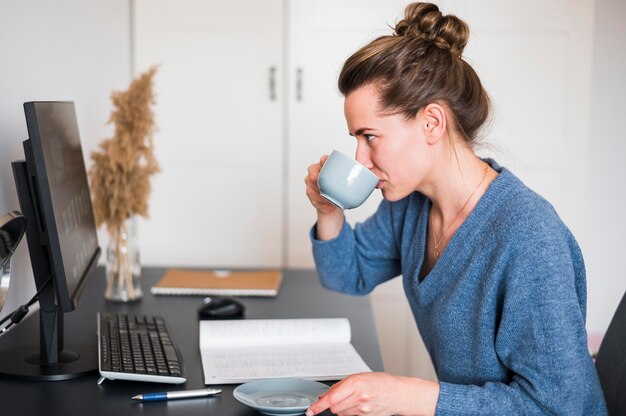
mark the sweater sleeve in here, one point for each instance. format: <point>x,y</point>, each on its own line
<point>359,259</point>
<point>541,335</point>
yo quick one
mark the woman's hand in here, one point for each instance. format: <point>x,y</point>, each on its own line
<point>329,217</point>
<point>321,204</point>
<point>379,394</point>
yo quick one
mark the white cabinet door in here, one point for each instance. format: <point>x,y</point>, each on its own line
<point>218,199</point>
<point>321,36</point>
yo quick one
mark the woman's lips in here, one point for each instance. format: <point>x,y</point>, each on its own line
<point>380,184</point>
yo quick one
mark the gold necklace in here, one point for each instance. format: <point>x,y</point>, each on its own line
<point>443,234</point>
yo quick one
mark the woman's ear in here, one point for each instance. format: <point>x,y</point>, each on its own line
<point>434,122</point>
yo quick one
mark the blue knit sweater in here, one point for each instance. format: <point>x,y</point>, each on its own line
<point>502,313</point>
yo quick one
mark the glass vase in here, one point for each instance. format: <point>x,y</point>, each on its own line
<point>123,269</point>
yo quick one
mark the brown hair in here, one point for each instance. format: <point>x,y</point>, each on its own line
<point>420,64</point>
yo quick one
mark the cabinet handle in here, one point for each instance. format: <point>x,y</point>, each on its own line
<point>272,85</point>
<point>299,84</point>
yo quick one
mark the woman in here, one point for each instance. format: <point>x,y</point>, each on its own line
<point>495,280</point>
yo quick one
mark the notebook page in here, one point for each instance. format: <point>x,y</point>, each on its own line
<point>218,334</point>
<point>239,351</point>
<point>332,361</point>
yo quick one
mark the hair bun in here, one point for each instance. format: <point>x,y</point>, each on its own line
<point>424,21</point>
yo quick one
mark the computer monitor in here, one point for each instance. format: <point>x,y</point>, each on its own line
<point>54,196</point>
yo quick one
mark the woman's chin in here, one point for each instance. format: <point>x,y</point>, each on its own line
<point>392,196</point>
<point>389,195</point>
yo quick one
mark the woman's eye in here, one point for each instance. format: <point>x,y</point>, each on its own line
<point>369,137</point>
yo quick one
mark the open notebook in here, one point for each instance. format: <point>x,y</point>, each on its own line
<point>240,351</point>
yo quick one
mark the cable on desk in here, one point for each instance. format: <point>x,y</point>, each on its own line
<point>17,315</point>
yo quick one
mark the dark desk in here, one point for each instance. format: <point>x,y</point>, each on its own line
<point>301,296</point>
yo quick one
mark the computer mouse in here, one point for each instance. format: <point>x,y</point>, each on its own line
<point>217,307</point>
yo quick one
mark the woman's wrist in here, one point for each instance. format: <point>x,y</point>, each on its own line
<point>329,225</point>
<point>419,396</point>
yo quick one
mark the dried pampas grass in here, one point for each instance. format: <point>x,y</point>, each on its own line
<point>122,166</point>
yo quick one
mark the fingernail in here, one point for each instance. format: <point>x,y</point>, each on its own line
<point>309,412</point>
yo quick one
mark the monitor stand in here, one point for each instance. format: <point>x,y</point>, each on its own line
<point>52,362</point>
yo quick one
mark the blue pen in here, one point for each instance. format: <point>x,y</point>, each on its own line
<point>171,395</point>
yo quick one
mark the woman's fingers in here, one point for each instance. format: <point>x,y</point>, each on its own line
<point>333,397</point>
<point>312,190</point>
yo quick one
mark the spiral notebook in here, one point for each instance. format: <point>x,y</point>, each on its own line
<point>219,282</point>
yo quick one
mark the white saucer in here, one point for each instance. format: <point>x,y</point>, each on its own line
<point>280,396</point>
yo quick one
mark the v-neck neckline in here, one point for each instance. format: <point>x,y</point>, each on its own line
<point>448,260</point>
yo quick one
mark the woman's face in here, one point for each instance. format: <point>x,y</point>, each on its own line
<point>391,146</point>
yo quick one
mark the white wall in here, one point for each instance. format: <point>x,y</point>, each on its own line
<point>74,50</point>
<point>604,248</point>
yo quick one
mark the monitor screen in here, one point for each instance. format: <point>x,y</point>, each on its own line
<point>63,192</point>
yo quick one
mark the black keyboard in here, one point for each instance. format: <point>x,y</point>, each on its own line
<point>137,347</point>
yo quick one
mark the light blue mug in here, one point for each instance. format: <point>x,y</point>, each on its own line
<point>345,182</point>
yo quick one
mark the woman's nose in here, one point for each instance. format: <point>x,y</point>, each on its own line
<point>363,155</point>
